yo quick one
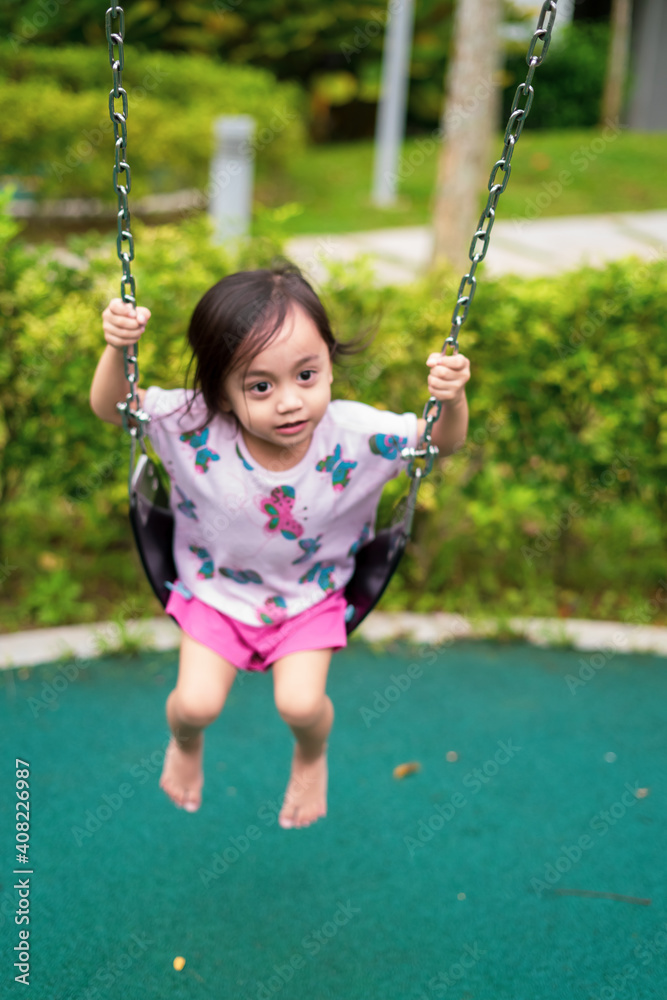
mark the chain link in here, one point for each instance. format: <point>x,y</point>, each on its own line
<point>115,38</point>
<point>524,94</point>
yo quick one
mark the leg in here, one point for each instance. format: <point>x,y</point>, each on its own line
<point>204,681</point>
<point>301,699</point>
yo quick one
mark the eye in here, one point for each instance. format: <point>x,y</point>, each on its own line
<point>308,375</point>
<point>260,387</point>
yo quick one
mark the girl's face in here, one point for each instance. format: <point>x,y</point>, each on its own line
<point>280,397</point>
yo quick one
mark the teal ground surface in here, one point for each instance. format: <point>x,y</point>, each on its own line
<point>444,884</point>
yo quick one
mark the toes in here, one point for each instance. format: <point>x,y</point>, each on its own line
<point>298,819</point>
<point>191,802</point>
<point>173,795</point>
<point>287,820</point>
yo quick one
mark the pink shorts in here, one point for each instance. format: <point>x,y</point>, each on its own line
<point>257,647</point>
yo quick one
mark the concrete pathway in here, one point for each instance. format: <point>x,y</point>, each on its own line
<point>518,246</point>
<point>84,642</point>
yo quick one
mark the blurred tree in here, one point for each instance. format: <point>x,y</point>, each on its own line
<point>617,65</point>
<point>468,125</point>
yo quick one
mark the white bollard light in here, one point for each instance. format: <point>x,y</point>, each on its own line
<point>232,177</point>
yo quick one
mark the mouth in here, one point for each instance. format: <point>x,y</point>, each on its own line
<point>292,428</point>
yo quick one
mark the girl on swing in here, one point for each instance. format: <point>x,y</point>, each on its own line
<point>274,487</point>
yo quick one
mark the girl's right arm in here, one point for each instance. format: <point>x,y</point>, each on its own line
<point>122,326</point>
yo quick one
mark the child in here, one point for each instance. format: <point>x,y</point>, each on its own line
<point>274,488</point>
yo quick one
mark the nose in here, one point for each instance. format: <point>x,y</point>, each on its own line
<point>289,401</point>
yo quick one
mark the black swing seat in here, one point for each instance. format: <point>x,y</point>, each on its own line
<point>153,526</point>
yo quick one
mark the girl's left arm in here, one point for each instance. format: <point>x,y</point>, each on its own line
<point>446,381</point>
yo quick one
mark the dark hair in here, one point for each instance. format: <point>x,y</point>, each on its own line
<point>240,315</point>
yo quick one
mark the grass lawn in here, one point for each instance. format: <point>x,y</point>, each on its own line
<point>571,172</point>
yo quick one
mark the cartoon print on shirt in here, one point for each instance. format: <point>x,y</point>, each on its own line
<point>241,575</point>
<point>273,611</point>
<point>186,506</point>
<point>245,464</point>
<point>279,509</point>
<point>387,445</point>
<point>204,454</point>
<point>338,467</point>
<point>309,546</point>
<point>323,574</point>
<point>205,571</point>
<point>363,537</point>
<point>180,588</point>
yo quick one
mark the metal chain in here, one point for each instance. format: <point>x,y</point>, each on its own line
<point>524,95</point>
<point>130,408</point>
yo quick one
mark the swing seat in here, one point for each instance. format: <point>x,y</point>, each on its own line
<point>376,563</point>
<point>153,526</point>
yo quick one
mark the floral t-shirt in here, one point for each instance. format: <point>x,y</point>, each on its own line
<point>261,545</point>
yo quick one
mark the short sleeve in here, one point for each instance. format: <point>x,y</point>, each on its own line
<point>395,432</point>
<point>382,434</point>
<point>167,409</point>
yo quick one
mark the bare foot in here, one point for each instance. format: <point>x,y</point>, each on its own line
<point>182,775</point>
<point>306,796</point>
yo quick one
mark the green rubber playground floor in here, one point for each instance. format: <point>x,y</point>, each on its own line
<point>476,878</point>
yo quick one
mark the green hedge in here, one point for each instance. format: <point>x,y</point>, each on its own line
<point>556,503</point>
<point>60,138</point>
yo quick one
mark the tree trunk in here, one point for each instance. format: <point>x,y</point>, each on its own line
<point>469,127</point>
<point>617,66</point>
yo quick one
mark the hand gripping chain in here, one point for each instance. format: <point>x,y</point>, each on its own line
<point>130,408</point>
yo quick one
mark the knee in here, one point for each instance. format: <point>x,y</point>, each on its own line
<point>193,710</point>
<point>300,708</point>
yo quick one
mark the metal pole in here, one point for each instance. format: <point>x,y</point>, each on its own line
<point>231,180</point>
<point>390,126</point>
